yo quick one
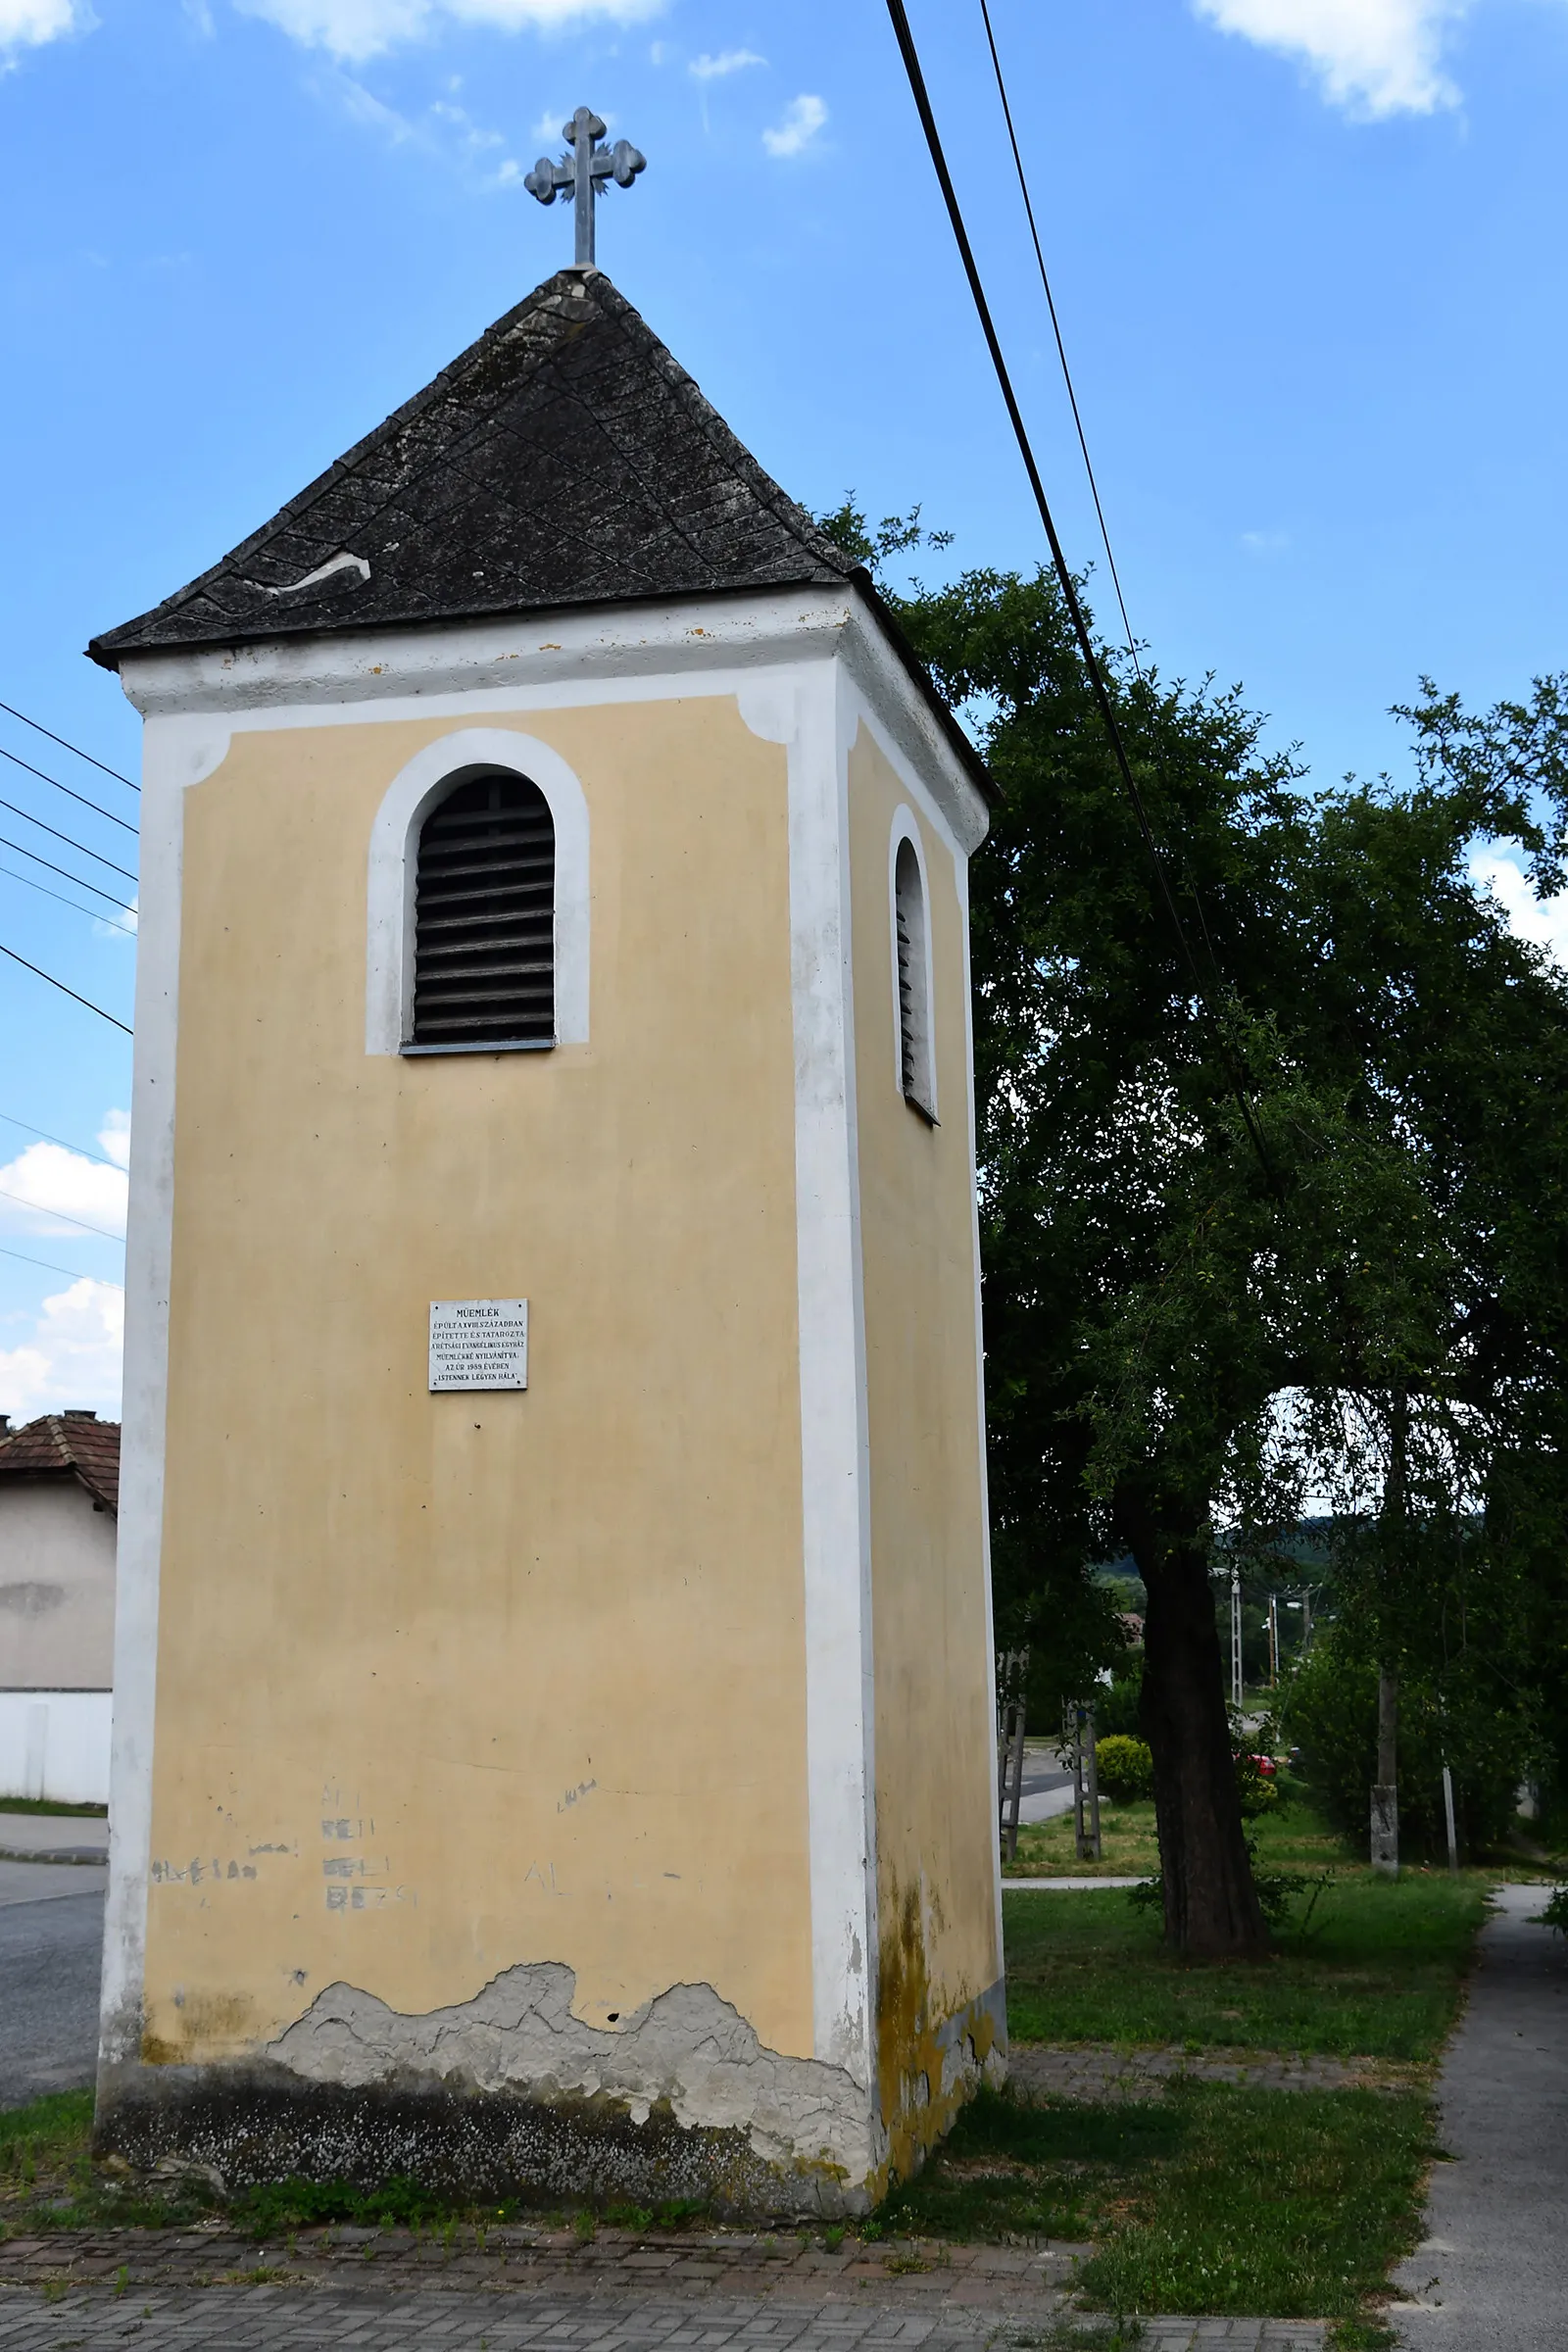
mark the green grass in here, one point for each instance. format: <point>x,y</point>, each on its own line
<point>43,2137</point>
<point>45,1804</point>
<point>1377,1974</point>
<point>1210,2200</point>
<point>1295,1838</point>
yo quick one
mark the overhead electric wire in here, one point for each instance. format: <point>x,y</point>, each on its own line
<point>70,840</point>
<point>44,891</point>
<point>39,1211</point>
<point>50,1267</point>
<point>64,989</point>
<point>39,729</point>
<point>1055,328</point>
<point>81,880</point>
<point>94,805</point>
<point>9,1119</point>
<point>1069,590</point>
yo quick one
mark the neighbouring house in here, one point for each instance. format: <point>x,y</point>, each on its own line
<point>59,1504</point>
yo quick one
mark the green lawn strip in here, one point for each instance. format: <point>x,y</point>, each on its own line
<point>42,2144</point>
<point>47,1805</point>
<point>1211,2199</point>
<point>1294,1838</point>
<point>1377,1973</point>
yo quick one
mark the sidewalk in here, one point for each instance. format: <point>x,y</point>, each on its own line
<point>1493,2273</point>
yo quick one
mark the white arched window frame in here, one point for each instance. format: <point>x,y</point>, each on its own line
<point>910,897</point>
<point>393,872</point>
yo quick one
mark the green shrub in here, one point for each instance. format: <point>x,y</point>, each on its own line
<point>1329,1710</point>
<point>1125,1769</point>
<point>1117,1702</point>
<point>1261,1790</point>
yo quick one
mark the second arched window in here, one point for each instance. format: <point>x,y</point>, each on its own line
<point>485,918</point>
<point>916,1075</point>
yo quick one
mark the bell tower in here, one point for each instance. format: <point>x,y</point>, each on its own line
<point>554,1723</point>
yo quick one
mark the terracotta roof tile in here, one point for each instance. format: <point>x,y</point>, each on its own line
<point>67,1446</point>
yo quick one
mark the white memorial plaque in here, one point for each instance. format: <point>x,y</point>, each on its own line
<point>478,1343</point>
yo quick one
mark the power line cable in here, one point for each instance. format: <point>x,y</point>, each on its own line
<point>39,729</point>
<point>81,880</point>
<point>1069,590</point>
<point>60,899</point>
<point>50,1267</point>
<point>8,1118</point>
<point>63,990</point>
<point>94,805</point>
<point>70,840</point>
<point>61,1218</point>
<point>1055,328</point>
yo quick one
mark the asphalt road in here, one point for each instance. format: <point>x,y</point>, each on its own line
<point>51,1941</point>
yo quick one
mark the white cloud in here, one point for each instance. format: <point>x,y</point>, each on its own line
<point>1372,57</point>
<point>804,118</point>
<point>1265,543</point>
<point>120,926</point>
<point>29,24</point>
<point>728,61</point>
<point>47,1189</point>
<point>1542,921</point>
<point>354,29</point>
<point>71,1357</point>
<point>115,1137</point>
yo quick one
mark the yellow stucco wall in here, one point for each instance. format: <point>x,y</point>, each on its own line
<point>449,1683</point>
<point>936,1839</point>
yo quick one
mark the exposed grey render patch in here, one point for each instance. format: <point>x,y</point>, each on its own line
<point>30,1599</point>
<point>687,2048</point>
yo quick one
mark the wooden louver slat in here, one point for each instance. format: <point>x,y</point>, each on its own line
<point>906,1043</point>
<point>485,918</point>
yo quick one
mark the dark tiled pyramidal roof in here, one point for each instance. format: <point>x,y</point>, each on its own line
<point>76,1445</point>
<point>565,459</point>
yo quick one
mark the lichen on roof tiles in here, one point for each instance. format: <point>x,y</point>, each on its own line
<point>565,458</point>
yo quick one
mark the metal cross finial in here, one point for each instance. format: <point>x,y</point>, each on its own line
<point>579,173</point>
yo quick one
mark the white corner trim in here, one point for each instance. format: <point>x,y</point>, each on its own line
<point>835,1484</point>
<point>905,827</point>
<point>392,871</point>
<point>980,1395</point>
<point>177,753</point>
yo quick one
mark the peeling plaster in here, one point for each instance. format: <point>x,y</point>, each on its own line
<point>687,2048</point>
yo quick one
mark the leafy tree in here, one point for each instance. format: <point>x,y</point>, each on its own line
<point>1181,1329</point>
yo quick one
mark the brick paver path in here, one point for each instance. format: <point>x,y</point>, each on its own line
<point>1097,2071</point>
<point>534,2291</point>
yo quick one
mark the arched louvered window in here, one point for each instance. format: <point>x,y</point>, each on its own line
<point>485,918</point>
<point>916,1075</point>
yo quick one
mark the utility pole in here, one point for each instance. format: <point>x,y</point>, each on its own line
<point>1273,1640</point>
<point>1236,1639</point>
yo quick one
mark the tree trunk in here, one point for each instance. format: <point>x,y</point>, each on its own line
<point>1385,1839</point>
<point>1211,1906</point>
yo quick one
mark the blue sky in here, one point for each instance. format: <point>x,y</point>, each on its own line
<point>1309,255</point>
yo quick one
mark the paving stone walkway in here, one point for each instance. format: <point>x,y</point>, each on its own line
<point>271,2319</point>
<point>1099,2070</point>
<point>536,2290</point>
